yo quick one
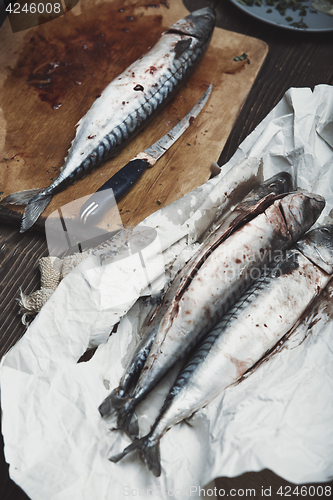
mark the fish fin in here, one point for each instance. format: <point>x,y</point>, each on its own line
<point>70,149</point>
<point>124,421</point>
<point>187,421</point>
<point>149,452</point>
<point>35,208</point>
<point>21,197</point>
<point>133,427</point>
<point>181,46</point>
<point>137,445</point>
<point>119,401</point>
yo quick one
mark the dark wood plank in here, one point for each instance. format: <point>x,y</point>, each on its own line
<point>19,255</point>
<point>263,481</point>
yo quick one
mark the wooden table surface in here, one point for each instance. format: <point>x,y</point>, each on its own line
<point>295,59</point>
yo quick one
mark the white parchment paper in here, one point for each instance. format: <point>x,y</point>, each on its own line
<point>280,417</point>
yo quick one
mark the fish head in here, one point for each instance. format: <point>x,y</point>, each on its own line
<point>278,184</point>
<point>317,246</point>
<point>300,211</point>
<point>199,25</point>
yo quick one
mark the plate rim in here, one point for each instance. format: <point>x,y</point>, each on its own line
<point>246,10</point>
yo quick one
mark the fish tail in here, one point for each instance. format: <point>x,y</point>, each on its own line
<point>35,208</point>
<point>106,408</point>
<point>21,197</point>
<point>149,450</point>
<point>36,201</point>
<point>119,401</point>
<point>114,401</point>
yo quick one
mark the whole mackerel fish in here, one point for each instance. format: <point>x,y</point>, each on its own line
<point>217,281</point>
<point>276,185</point>
<point>272,306</point>
<point>125,107</point>
<point>216,285</point>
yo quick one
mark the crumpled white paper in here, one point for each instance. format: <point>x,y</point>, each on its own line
<point>280,417</point>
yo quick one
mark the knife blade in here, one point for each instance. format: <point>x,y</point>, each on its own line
<point>98,204</point>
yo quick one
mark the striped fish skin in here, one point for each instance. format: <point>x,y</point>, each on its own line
<point>243,336</point>
<point>278,184</point>
<point>126,105</point>
<point>223,276</point>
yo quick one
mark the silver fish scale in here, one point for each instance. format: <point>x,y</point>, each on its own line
<point>142,113</point>
<point>130,123</point>
<point>101,150</point>
<point>165,86</point>
<point>93,158</point>
<point>248,298</point>
<point>103,146</point>
<point>116,138</point>
<point>123,131</point>
<point>155,100</point>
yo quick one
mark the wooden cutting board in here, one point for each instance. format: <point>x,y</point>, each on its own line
<point>51,74</point>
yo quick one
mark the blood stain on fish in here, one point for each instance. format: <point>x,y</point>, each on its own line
<point>240,365</point>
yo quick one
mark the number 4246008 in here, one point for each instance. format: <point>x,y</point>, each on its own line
<point>32,8</point>
<point>303,491</point>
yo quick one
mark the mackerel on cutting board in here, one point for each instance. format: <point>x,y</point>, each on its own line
<point>54,72</point>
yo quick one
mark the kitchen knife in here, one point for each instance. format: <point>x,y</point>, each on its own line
<point>120,183</point>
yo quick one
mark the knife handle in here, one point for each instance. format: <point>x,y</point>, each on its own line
<point>120,183</point>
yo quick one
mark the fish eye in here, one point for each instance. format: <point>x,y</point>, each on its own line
<point>272,185</point>
<point>325,232</point>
